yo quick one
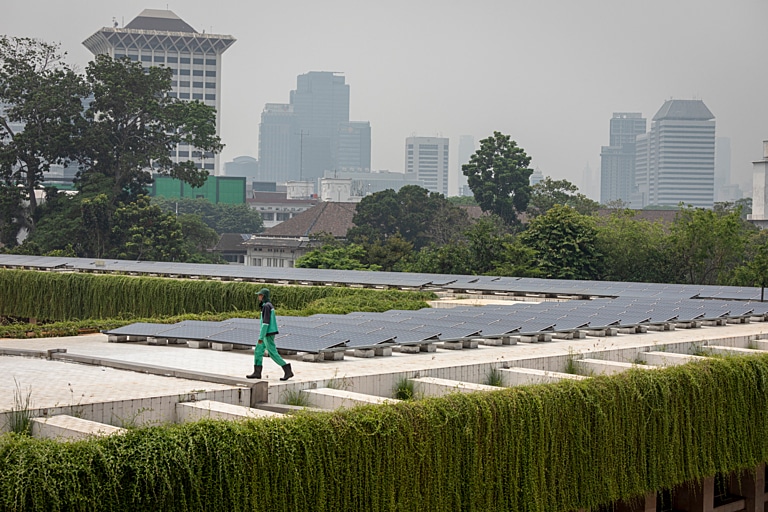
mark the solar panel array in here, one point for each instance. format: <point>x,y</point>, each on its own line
<point>457,283</point>
<point>613,304</point>
<point>325,332</point>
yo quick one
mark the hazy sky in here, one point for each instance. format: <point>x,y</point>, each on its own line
<point>550,73</point>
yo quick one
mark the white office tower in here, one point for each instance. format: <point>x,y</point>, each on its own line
<point>760,190</point>
<point>160,38</point>
<point>426,158</point>
<point>675,161</point>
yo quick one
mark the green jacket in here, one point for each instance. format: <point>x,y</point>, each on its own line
<point>268,321</point>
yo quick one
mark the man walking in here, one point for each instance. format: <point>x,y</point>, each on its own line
<point>267,339</point>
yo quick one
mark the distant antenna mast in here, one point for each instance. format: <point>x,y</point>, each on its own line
<point>114,22</point>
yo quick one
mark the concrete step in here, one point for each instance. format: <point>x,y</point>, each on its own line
<point>731,351</point>
<point>602,367</point>
<point>668,358</point>
<point>67,427</point>
<point>331,398</point>
<point>433,386</point>
<point>526,376</point>
<point>210,409</point>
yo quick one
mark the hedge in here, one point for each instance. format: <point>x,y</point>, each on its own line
<point>50,296</point>
<point>549,448</point>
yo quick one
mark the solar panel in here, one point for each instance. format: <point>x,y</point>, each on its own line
<point>140,329</point>
<point>194,332</point>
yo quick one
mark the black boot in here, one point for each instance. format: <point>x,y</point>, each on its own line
<point>256,372</point>
<point>288,372</point>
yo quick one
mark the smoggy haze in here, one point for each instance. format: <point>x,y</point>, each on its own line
<point>549,73</point>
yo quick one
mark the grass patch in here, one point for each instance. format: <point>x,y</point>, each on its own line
<point>336,382</point>
<point>296,398</point>
<point>493,378</point>
<point>20,417</point>
<point>404,389</point>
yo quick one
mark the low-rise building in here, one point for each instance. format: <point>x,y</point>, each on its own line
<point>283,244</point>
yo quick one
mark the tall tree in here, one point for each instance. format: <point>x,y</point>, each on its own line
<point>141,231</point>
<point>565,243</point>
<point>754,271</point>
<point>635,249</point>
<point>498,176</point>
<point>40,116</point>
<point>549,192</point>
<point>708,245</point>
<point>134,125</point>
<point>417,215</point>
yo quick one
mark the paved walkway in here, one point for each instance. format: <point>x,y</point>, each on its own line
<point>56,383</point>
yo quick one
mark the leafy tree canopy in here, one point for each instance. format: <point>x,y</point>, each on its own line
<point>222,218</point>
<point>634,249</point>
<point>40,120</point>
<point>134,126</point>
<point>336,256</point>
<point>565,243</point>
<point>414,213</point>
<point>548,192</point>
<point>498,175</point>
<point>707,245</point>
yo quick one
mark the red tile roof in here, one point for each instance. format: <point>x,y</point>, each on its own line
<point>331,218</point>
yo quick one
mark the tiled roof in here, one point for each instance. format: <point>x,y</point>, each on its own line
<point>474,212</point>
<point>231,242</point>
<point>331,218</point>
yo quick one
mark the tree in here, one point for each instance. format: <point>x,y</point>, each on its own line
<point>198,235</point>
<point>39,123</point>
<point>222,218</point>
<point>634,249</point>
<point>498,176</point>
<point>142,231</point>
<point>549,192</point>
<point>462,201</point>
<point>485,247</point>
<point>414,213</point>
<point>707,245</point>
<point>336,256</point>
<point>134,126</point>
<point>754,269</point>
<point>58,224</point>
<point>565,243</point>
<point>389,255</point>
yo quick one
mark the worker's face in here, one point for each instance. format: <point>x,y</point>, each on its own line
<point>261,297</point>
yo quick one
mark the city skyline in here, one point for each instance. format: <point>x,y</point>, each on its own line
<point>476,70</point>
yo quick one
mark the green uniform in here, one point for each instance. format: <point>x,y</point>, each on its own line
<point>267,334</point>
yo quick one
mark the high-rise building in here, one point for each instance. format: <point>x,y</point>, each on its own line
<point>321,105</point>
<point>279,144</point>
<point>724,190</point>
<point>426,158</point>
<point>311,134</point>
<point>465,151</point>
<point>675,161</point>
<point>617,160</point>
<point>354,147</point>
<point>536,177</point>
<point>161,38</point>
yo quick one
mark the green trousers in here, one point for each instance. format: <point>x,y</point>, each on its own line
<point>269,344</point>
